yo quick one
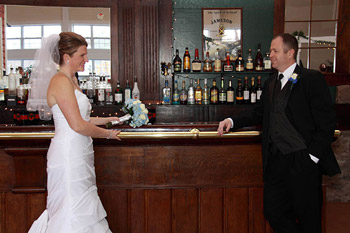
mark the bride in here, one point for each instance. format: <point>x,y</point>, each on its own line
<point>73,204</point>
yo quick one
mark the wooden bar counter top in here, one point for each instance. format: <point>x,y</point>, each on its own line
<point>159,178</point>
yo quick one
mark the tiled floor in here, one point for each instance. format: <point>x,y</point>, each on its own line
<point>338,217</point>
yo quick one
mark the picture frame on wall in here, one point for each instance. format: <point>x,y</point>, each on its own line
<point>222,30</point>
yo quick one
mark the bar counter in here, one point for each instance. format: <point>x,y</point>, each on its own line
<point>159,178</point>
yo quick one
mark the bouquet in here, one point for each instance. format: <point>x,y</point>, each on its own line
<point>136,111</point>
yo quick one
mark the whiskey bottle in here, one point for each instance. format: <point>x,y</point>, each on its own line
<point>187,61</point>
<point>176,94</point>
<point>198,93</point>
<point>217,62</point>
<point>207,67</point>
<point>196,63</point>
<point>118,95</point>
<point>135,91</point>
<point>222,92</point>
<point>267,62</point>
<point>259,60</point>
<point>239,63</point>
<point>214,94</point>
<point>239,92</point>
<point>228,67</point>
<point>230,92</point>
<point>205,93</point>
<point>166,93</point>
<point>258,90</point>
<point>252,91</point>
<point>249,65</point>
<point>101,93</point>
<point>177,62</point>
<point>246,91</point>
<point>127,91</point>
<point>183,94</point>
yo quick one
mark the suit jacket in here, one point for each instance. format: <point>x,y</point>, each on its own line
<point>310,110</point>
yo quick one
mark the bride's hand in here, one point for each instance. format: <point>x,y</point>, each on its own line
<point>113,134</point>
<point>114,119</point>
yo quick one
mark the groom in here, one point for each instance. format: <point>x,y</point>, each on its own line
<point>298,121</point>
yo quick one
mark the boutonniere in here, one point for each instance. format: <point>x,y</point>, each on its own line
<point>294,79</point>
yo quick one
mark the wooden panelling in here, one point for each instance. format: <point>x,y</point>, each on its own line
<point>158,211</point>
<point>76,3</point>
<point>237,210</point>
<point>343,35</point>
<point>211,213</point>
<point>256,214</point>
<point>16,213</point>
<point>185,210</point>
<point>36,204</point>
<point>278,18</point>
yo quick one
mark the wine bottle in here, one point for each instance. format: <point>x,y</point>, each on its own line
<point>239,92</point>
<point>246,91</point>
<point>258,90</point>
<point>217,62</point>
<point>205,93</point>
<point>252,91</point>
<point>230,92</point>
<point>190,94</point>
<point>176,95</point>
<point>127,91</point>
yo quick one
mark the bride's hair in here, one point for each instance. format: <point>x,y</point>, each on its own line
<point>69,43</point>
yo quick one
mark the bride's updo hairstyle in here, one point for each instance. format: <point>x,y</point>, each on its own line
<point>69,43</point>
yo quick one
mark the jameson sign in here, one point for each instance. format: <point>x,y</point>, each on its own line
<point>222,30</point>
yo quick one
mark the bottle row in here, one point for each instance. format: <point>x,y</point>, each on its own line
<point>231,63</point>
<point>244,93</point>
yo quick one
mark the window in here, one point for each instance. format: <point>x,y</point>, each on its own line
<point>314,23</point>
<point>28,36</point>
<point>97,36</point>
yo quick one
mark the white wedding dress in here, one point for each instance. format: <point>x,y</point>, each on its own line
<point>73,205</point>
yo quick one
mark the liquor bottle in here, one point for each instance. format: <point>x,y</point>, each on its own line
<point>21,97</point>
<point>252,91</point>
<point>196,63</point>
<point>207,67</point>
<point>166,94</point>
<point>267,62</point>
<point>90,92</point>
<point>127,91</point>
<point>198,93</point>
<point>205,93</point>
<point>190,94</point>
<point>118,94</point>
<point>177,62</point>
<point>239,92</point>
<point>109,93</point>
<point>217,62</point>
<point>230,92</point>
<point>214,94</point>
<point>100,93</point>
<point>2,91</point>
<point>183,94</point>
<point>187,61</point>
<point>239,66</point>
<point>135,91</point>
<point>12,83</point>
<point>228,67</point>
<point>249,65</point>
<point>258,90</point>
<point>259,64</point>
<point>246,91</point>
<point>222,92</point>
<point>176,95</point>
